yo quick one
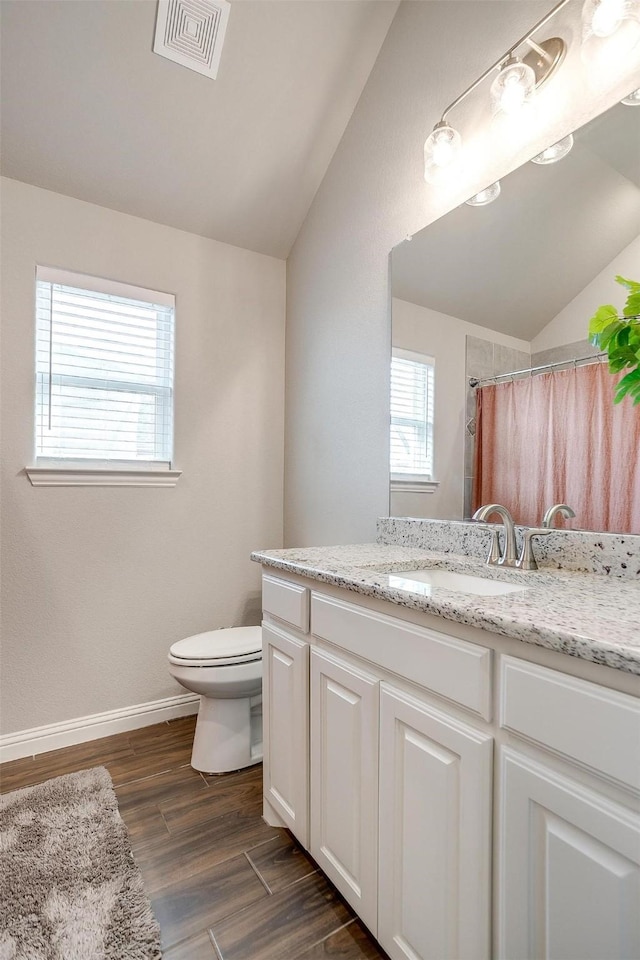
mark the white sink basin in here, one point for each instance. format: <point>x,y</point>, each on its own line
<point>427,582</point>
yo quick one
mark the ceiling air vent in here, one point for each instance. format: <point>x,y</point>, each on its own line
<point>191,32</point>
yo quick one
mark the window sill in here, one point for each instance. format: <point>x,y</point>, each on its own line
<point>412,485</point>
<point>62,476</point>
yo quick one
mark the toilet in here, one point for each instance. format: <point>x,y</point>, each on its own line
<point>225,668</point>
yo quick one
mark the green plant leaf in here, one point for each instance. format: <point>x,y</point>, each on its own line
<point>618,363</point>
<point>627,385</point>
<point>621,354</point>
<point>632,306</point>
<point>619,337</point>
<point>632,285</point>
<point>607,338</point>
<point>634,389</point>
<point>601,319</point>
<point>622,336</point>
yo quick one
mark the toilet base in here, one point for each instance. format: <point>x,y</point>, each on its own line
<point>228,735</point>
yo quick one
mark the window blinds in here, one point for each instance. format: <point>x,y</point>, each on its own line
<point>104,370</point>
<point>412,380</point>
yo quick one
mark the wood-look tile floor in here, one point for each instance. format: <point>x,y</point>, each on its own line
<point>223,884</point>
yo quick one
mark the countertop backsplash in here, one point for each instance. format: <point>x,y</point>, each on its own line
<point>608,554</point>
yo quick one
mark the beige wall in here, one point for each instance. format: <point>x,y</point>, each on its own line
<point>572,323</point>
<point>372,197</point>
<point>443,338</point>
<point>97,583</point>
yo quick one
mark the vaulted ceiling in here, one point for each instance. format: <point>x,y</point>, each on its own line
<point>89,111</point>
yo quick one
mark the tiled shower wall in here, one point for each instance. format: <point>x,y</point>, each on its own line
<point>484,359</point>
<point>567,352</point>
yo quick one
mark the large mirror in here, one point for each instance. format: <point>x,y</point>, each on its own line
<point>510,286</point>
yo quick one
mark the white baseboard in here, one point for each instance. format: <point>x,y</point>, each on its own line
<point>28,743</point>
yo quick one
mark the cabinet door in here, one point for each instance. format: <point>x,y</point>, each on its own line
<point>344,780</point>
<point>569,868</point>
<point>285,699</point>
<point>435,833</point>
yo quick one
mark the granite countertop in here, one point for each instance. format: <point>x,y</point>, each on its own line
<point>583,615</point>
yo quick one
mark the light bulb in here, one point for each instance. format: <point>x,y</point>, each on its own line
<point>441,151</point>
<point>601,18</point>
<point>513,87</point>
<point>556,151</point>
<point>488,195</point>
<point>633,100</point>
<point>607,16</point>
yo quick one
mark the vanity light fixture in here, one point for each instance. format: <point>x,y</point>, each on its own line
<point>521,72</point>
<point>515,85</point>
<point>488,195</point>
<point>555,152</point>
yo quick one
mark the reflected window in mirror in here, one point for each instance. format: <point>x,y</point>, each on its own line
<point>412,396</point>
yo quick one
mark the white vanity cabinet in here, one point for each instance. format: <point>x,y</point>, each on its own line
<point>570,868</point>
<point>435,779</point>
<point>344,780</point>
<point>435,832</point>
<point>399,790</point>
<point>568,845</point>
<point>468,802</point>
<point>285,704</point>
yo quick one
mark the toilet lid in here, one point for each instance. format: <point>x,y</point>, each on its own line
<point>231,643</point>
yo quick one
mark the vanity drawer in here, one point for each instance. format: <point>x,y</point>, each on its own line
<point>597,727</point>
<point>455,669</point>
<point>286,601</point>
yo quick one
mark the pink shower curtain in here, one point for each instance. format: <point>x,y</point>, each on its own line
<point>558,438</point>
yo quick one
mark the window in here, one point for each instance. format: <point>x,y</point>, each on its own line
<point>412,376</point>
<point>104,374</point>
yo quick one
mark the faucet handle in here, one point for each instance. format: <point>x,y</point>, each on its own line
<point>527,560</point>
<point>494,550</point>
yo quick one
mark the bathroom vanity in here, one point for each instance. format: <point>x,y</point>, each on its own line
<point>464,767</point>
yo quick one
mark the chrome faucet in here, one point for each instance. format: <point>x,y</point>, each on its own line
<point>508,557</point>
<point>552,512</point>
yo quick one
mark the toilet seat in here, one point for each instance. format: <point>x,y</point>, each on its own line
<point>218,648</point>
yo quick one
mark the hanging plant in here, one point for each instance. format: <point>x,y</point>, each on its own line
<point>619,337</point>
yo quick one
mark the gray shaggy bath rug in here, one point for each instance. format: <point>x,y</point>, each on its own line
<point>69,887</point>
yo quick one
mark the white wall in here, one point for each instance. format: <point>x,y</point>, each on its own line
<point>572,323</point>
<point>97,583</point>
<point>372,197</point>
<point>444,338</point>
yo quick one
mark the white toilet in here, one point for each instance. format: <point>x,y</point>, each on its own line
<point>225,668</point>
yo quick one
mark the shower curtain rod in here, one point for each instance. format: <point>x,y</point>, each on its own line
<point>474,382</point>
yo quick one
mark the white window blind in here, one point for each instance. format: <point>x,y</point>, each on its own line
<point>104,371</point>
<point>412,382</point>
